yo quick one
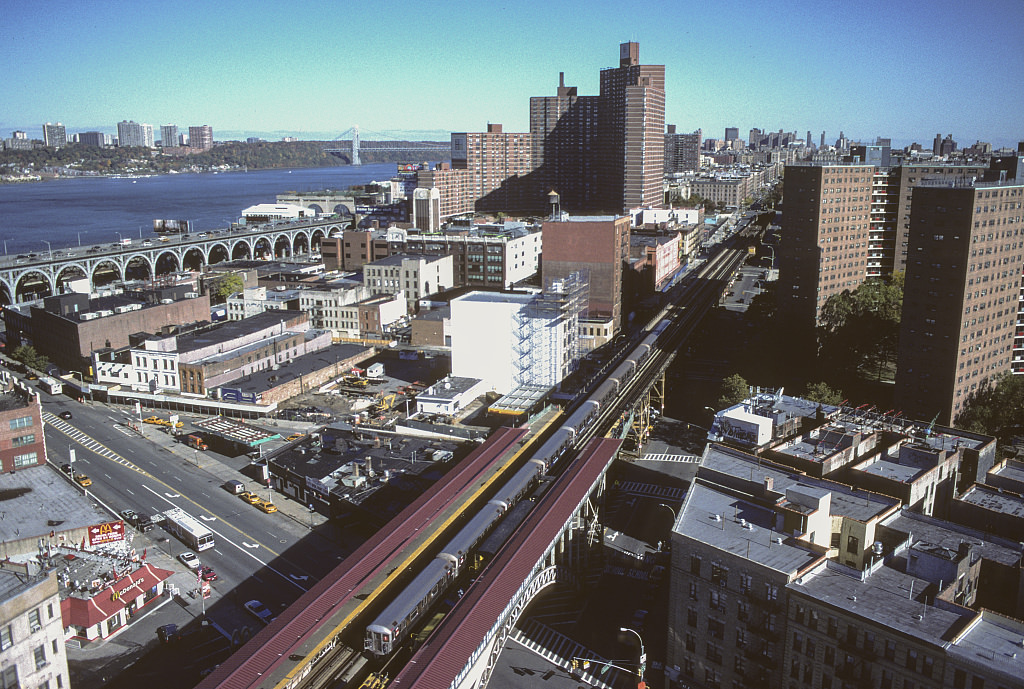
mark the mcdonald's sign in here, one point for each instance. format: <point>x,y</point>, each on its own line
<point>107,532</point>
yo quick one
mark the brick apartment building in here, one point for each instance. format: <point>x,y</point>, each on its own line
<point>962,293</point>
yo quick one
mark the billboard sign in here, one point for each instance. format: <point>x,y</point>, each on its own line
<point>107,532</point>
<point>172,226</point>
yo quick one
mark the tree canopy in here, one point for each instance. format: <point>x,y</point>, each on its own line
<point>225,287</point>
<point>859,330</point>
<point>733,391</point>
<point>995,409</point>
<point>28,355</point>
<point>822,393</point>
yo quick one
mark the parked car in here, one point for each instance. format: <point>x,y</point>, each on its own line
<point>66,468</point>
<point>207,573</point>
<point>129,516</point>
<point>190,560</point>
<point>266,506</point>
<point>167,633</point>
<point>250,498</point>
<point>259,611</point>
<point>83,480</point>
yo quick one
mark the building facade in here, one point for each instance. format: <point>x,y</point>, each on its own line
<point>55,135</point>
<point>31,630</point>
<point>827,230</point>
<point>414,276</point>
<point>631,129</point>
<point>961,294</point>
<point>169,135</point>
<point>499,164</point>
<point>597,245</point>
<point>200,137</point>
<point>22,443</point>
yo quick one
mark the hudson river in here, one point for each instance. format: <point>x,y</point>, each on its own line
<point>94,210</point>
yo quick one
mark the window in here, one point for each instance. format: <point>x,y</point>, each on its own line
<point>853,545</point>
<point>9,678</point>
<point>26,460</point>
<point>35,620</point>
<point>40,656</point>
<point>6,638</point>
<point>23,422</point>
<point>695,565</point>
<point>23,440</point>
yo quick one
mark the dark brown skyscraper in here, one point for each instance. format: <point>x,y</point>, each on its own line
<point>631,128</point>
<point>960,296</point>
<point>564,129</point>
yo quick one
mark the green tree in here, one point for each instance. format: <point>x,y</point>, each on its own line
<point>28,355</point>
<point>733,391</point>
<point>225,287</point>
<point>995,409</point>
<point>859,330</point>
<point>821,392</point>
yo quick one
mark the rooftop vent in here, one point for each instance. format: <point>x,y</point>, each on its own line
<point>716,517</point>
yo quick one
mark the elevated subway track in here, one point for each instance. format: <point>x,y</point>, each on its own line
<point>275,659</point>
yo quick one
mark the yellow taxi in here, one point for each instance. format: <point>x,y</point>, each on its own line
<point>83,480</point>
<point>266,506</point>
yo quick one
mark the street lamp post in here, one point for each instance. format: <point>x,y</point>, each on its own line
<point>80,233</point>
<point>643,655</point>
<point>310,516</point>
<point>49,248</point>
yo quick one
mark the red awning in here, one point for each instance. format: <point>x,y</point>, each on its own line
<point>85,612</point>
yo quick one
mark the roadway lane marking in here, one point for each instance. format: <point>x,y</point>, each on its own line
<point>88,442</point>
<point>228,540</point>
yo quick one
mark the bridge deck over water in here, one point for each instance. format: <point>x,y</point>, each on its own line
<point>160,254</point>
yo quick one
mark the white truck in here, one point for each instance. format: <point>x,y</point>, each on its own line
<point>51,385</point>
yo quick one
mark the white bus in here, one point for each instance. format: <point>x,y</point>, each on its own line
<point>180,523</point>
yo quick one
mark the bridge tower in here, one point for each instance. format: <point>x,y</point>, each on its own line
<point>355,145</point>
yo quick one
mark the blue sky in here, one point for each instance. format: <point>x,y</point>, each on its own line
<point>899,69</point>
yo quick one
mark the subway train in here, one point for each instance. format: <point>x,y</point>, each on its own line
<point>394,623</point>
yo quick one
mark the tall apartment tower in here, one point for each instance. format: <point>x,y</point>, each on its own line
<point>129,134</point>
<point>564,130</point>
<point>682,151</point>
<point>499,163</point>
<point>961,294</point>
<point>827,236</point>
<point>631,126</point>
<point>732,133</point>
<point>148,139</point>
<point>201,137</point>
<point>55,135</point>
<point>169,135</point>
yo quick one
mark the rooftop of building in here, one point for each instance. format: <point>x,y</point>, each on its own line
<point>902,467</point>
<point>12,399</point>
<point>822,443</point>
<point>949,535</point>
<point>400,259</point>
<point>342,452</point>
<point>14,583</point>
<point>652,240</point>
<point>593,218</point>
<point>298,367</point>
<point>747,530</point>
<point>236,352</point>
<point>37,500</point>
<point>886,596</point>
<point>994,499</point>
<point>497,297</point>
<point>993,641</point>
<point>448,388</point>
<point>1011,470</point>
<point>436,314</point>
<point>721,463</point>
<point>228,331</point>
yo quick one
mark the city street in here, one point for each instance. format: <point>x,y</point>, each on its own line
<point>272,558</point>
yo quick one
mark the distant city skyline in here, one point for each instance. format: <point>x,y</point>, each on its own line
<point>891,70</point>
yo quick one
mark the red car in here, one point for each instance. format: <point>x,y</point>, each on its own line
<point>207,574</point>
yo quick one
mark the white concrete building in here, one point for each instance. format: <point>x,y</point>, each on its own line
<point>265,212</point>
<point>416,275</point>
<point>509,340</point>
<point>450,395</point>
<point>254,300</point>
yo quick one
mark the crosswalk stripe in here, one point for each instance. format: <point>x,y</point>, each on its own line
<point>88,442</point>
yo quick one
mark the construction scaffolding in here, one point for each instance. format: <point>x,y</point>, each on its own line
<point>561,305</point>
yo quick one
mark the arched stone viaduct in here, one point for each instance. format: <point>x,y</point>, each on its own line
<point>45,274</point>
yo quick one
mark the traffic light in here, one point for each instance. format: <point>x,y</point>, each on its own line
<point>575,664</point>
